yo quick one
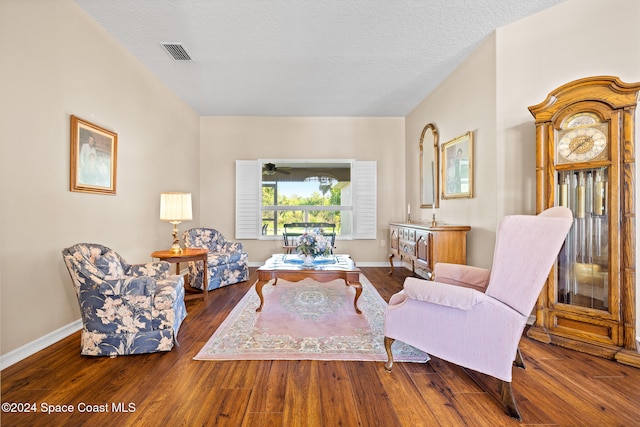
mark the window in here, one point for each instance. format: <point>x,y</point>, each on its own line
<point>306,192</point>
<point>270,194</point>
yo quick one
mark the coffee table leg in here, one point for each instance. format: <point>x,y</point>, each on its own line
<point>259,285</point>
<point>358,288</point>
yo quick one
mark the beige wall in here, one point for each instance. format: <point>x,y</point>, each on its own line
<point>464,101</point>
<point>225,139</point>
<point>581,38</point>
<point>490,92</point>
<point>57,62</point>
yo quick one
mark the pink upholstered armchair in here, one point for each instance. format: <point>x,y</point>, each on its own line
<point>475,318</point>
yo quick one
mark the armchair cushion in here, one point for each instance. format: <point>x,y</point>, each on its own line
<point>462,275</point>
<point>156,269</point>
<point>444,294</point>
<point>222,258</point>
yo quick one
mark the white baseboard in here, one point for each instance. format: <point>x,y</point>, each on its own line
<point>33,347</point>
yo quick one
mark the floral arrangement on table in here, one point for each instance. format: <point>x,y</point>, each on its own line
<point>314,244</point>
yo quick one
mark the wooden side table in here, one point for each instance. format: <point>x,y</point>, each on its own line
<point>188,254</point>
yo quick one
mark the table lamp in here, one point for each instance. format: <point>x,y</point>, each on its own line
<point>175,208</point>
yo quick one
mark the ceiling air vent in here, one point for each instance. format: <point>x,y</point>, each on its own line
<point>177,52</point>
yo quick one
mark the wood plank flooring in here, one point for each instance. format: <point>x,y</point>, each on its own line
<point>559,387</point>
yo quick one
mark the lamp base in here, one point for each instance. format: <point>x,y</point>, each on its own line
<point>175,248</point>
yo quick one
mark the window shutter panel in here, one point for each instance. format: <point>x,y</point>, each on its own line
<point>363,177</point>
<point>248,199</point>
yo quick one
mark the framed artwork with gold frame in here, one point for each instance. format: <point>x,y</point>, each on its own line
<point>457,167</point>
<point>94,152</point>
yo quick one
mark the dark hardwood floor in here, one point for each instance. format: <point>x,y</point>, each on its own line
<point>559,387</point>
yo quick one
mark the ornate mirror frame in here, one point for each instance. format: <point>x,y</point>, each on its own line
<point>429,167</point>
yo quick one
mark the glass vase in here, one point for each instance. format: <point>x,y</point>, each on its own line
<point>308,260</point>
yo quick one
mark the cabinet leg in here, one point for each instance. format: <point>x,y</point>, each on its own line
<point>391,263</point>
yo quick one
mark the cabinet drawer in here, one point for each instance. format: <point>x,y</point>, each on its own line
<point>408,248</point>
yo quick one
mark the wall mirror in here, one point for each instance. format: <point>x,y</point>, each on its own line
<point>429,167</point>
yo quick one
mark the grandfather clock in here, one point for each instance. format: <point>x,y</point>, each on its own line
<point>585,160</point>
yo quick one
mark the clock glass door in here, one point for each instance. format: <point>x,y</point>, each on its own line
<point>583,264</point>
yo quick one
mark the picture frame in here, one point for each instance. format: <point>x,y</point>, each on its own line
<point>94,155</point>
<point>457,167</point>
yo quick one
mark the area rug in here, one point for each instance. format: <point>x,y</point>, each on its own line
<point>307,320</point>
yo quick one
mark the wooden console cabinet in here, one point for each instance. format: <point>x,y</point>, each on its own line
<point>426,245</point>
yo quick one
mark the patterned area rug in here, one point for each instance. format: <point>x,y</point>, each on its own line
<point>307,320</point>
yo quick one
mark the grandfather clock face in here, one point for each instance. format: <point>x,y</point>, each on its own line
<point>582,137</point>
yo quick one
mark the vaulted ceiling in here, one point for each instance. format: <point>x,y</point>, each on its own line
<point>369,58</point>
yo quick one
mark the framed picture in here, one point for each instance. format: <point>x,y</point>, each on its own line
<point>94,152</point>
<point>457,167</point>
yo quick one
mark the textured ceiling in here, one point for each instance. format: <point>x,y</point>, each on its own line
<point>365,58</point>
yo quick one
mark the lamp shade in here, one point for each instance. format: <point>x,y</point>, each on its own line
<point>175,207</point>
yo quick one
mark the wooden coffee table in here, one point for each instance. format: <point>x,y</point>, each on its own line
<point>290,268</point>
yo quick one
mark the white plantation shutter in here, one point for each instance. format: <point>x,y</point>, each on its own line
<point>248,199</point>
<point>363,179</point>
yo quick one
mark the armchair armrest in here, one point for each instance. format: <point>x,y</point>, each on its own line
<point>155,269</point>
<point>462,275</point>
<point>444,294</point>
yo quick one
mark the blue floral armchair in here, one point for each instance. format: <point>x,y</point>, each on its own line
<point>126,309</point>
<point>227,263</point>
